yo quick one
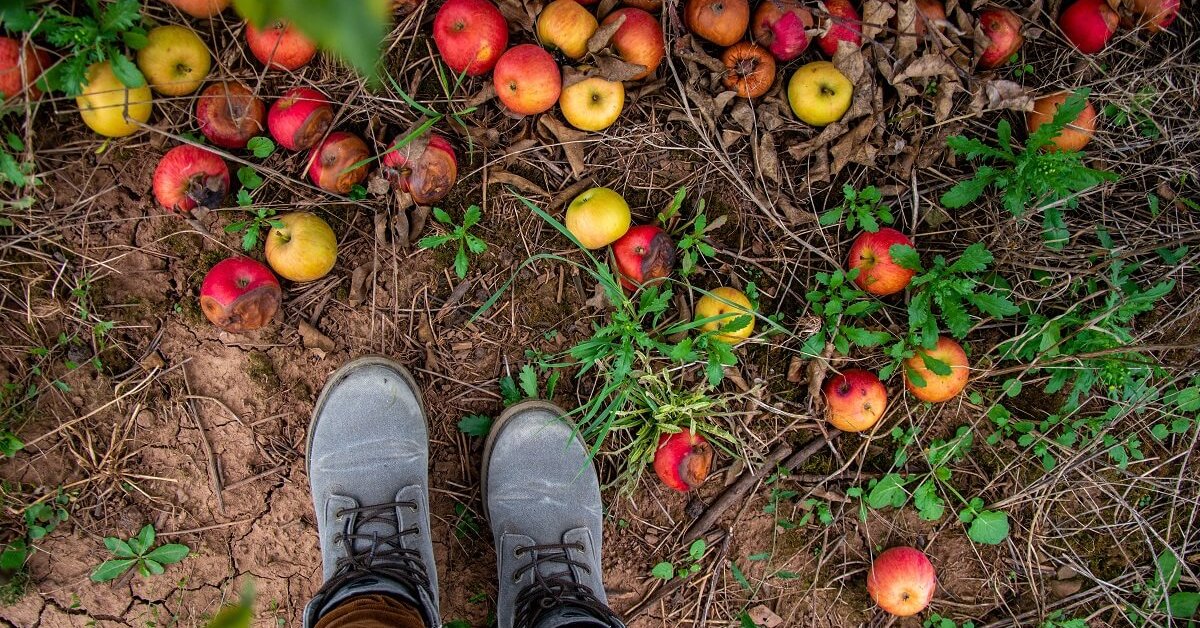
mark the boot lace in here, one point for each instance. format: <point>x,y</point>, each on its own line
<point>383,554</point>
<point>557,589</point>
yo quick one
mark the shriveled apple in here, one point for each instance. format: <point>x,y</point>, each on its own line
<point>300,118</point>
<point>644,253</point>
<point>335,165</point>
<point>1002,28</point>
<point>426,169</point>
<point>230,114</point>
<point>749,69</point>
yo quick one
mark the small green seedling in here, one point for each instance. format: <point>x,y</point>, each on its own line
<point>667,570</point>
<point>136,552</point>
<point>861,208</point>
<point>459,236</point>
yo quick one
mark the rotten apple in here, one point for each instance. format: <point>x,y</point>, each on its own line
<point>280,46</point>
<point>723,22</point>
<point>202,9</point>
<point>527,80</point>
<point>300,118</point>
<point>843,25</point>
<point>878,273</point>
<point>336,165</point>
<point>749,69</point>
<point>470,35</point>
<point>644,253</point>
<point>1002,28</point>
<point>240,294</point>
<point>854,400</point>
<point>229,114</point>
<point>1089,24</point>
<point>1156,14</point>
<point>426,169</point>
<point>902,581</point>
<point>682,460</point>
<point>780,26</point>
<point>20,67</point>
<point>188,177</point>
<point>639,40</point>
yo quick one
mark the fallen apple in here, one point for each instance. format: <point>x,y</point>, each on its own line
<point>592,104</point>
<point>723,22</point>
<point>20,67</point>
<point>470,35</point>
<point>639,40</point>
<point>929,13</point>
<point>108,107</point>
<point>229,114</point>
<point>1002,28</point>
<point>819,93</point>
<point>843,25</point>
<point>682,460</point>
<point>174,60</point>
<point>202,9</point>
<point>644,253</point>
<point>300,118</point>
<point>645,5</point>
<point>527,80</point>
<point>902,581</point>
<point>336,164</point>
<point>1156,14</point>
<point>597,217</point>
<point>781,27</point>
<point>426,170</point>
<point>304,248</point>
<point>240,294</point>
<point>855,400</point>
<point>927,385</point>
<point>188,177</point>
<point>1078,132</point>
<point>566,26</point>
<point>280,46</point>
<point>1089,24</point>
<point>729,304</point>
<point>749,69</point>
<point>878,273</point>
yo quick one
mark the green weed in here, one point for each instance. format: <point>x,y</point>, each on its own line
<point>459,236</point>
<point>138,552</point>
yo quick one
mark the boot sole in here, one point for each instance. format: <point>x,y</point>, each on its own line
<point>340,374</point>
<point>498,426</point>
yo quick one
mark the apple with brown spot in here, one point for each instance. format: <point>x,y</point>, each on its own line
<point>425,169</point>
<point>682,460</point>
<point>230,114</point>
<point>188,177</point>
<point>240,294</point>
<point>644,253</point>
<point>334,163</point>
<point>300,118</point>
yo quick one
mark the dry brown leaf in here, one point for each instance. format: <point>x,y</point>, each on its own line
<point>906,23</point>
<point>502,177</point>
<point>795,370</point>
<point>483,95</point>
<point>722,100</point>
<point>603,35</point>
<point>516,149</point>
<point>944,103</point>
<point>876,15</point>
<point>688,49</point>
<point>851,62</point>
<point>617,69</point>
<point>931,64</point>
<point>765,617</point>
<point>729,137</point>
<point>417,219</point>
<point>572,75</point>
<point>599,300</point>
<point>520,12</point>
<point>817,367</point>
<point>743,114</point>
<point>1007,95</point>
<point>571,141</point>
<point>359,283</point>
<point>768,158</point>
<point>313,338</point>
<point>854,146</point>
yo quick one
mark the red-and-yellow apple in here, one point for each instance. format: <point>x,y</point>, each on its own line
<point>854,400</point>
<point>332,163</point>
<point>230,114</point>
<point>749,69</point>
<point>108,107</point>
<point>188,177</point>
<point>20,67</point>
<point>780,26</point>
<point>470,35</point>
<point>567,26</point>
<point>426,170</point>
<point>937,388</point>
<point>597,217</point>
<point>303,249</point>
<point>527,80</point>
<point>202,9</point>
<point>729,304</point>
<point>878,273</point>
<point>593,103</point>
<point>639,40</point>
<point>1003,31</point>
<point>240,294</point>
<point>1089,24</point>
<point>1156,14</point>
<point>723,22</point>
<point>819,93</point>
<point>300,118</point>
<point>174,61</point>
<point>682,460</point>
<point>645,5</point>
<point>901,581</point>
<point>280,46</point>
<point>644,253</point>
<point>842,25</point>
<point>1075,136</point>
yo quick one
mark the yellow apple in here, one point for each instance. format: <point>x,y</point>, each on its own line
<point>175,61</point>
<point>592,104</point>
<point>105,100</point>
<point>303,249</point>
<point>819,93</point>
<point>566,25</point>
<point>598,217</point>
<point>729,304</point>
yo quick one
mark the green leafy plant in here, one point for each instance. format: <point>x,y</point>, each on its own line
<point>352,30</point>
<point>251,228</point>
<point>261,146</point>
<point>937,621</point>
<point>1029,177</point>
<point>477,425</point>
<point>690,234</point>
<point>840,304</point>
<point>17,172</point>
<point>860,208</point>
<point>460,236</point>
<point>668,571</point>
<point>239,614</point>
<point>950,287</point>
<point>86,39</point>
<point>1163,596</point>
<point>138,552</point>
<point>1136,113</point>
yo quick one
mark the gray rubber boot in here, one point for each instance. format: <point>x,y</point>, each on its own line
<point>368,464</point>
<point>542,498</point>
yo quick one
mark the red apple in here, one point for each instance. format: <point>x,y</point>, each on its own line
<point>645,252</point>
<point>1156,14</point>
<point>300,118</point>
<point>871,255</point>
<point>639,40</point>
<point>527,80</point>
<point>188,177</point>
<point>470,35</point>
<point>20,67</point>
<point>902,581</point>
<point>779,26</point>
<point>682,460</point>
<point>280,46</point>
<point>332,164</point>
<point>229,114</point>
<point>1089,24</point>
<point>854,400</point>
<point>425,169</point>
<point>240,294</point>
<point>844,25</point>
<point>1003,30</point>
<point>928,12</point>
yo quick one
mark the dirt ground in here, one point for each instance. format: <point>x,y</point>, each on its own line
<point>201,432</point>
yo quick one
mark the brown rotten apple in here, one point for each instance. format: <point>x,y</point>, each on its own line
<point>878,273</point>
<point>780,26</point>
<point>682,460</point>
<point>188,177</point>
<point>336,165</point>
<point>1077,133</point>
<point>723,22</point>
<point>280,46</point>
<point>749,69</point>
<point>644,253</point>
<point>426,169</point>
<point>1003,31</point>
<point>1156,14</point>
<point>300,118</point>
<point>229,114</point>
<point>639,40</point>
<point>240,294</point>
